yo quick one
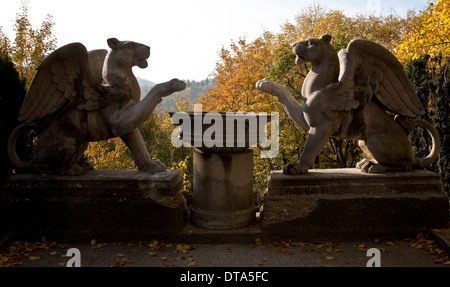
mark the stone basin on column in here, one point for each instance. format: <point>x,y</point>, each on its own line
<point>223,165</point>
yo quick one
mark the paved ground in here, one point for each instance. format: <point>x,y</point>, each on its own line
<point>232,259</point>
<point>422,251</point>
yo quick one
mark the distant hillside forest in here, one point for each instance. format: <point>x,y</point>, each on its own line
<point>192,92</point>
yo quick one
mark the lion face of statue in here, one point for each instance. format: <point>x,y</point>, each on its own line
<point>312,50</point>
<point>128,53</point>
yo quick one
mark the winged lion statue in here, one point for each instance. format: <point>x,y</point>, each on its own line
<point>354,94</point>
<point>77,97</point>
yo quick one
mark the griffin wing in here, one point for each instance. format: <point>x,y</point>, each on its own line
<point>96,59</point>
<point>367,69</point>
<point>63,77</point>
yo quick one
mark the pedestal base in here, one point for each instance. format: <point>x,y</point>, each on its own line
<point>336,203</point>
<point>111,204</point>
<point>223,189</point>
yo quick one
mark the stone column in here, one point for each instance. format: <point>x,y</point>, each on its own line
<point>223,189</point>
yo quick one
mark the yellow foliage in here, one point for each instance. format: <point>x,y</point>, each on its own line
<point>184,167</point>
<point>430,35</point>
<point>110,154</point>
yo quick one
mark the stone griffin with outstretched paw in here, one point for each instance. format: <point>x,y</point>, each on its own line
<point>77,97</point>
<point>351,95</point>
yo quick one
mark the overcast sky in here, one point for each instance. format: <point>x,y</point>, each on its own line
<point>185,36</point>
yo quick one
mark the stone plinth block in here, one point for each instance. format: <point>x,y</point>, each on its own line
<point>110,204</point>
<point>223,189</point>
<point>334,203</point>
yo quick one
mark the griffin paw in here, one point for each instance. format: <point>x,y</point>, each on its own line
<point>153,166</point>
<point>295,168</point>
<point>368,166</point>
<point>266,86</point>
<point>176,85</point>
<point>77,168</point>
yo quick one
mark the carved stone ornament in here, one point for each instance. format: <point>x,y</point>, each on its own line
<point>350,95</point>
<point>77,97</point>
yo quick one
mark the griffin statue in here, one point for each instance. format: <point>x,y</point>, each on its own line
<point>77,97</point>
<point>353,95</point>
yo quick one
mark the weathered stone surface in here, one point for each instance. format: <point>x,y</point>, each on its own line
<point>353,181</point>
<point>334,203</point>
<point>223,189</point>
<point>113,204</point>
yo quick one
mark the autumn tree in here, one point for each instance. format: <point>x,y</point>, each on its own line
<point>236,74</point>
<point>429,35</point>
<point>30,46</point>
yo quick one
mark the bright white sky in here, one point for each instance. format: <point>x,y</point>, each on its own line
<point>185,36</point>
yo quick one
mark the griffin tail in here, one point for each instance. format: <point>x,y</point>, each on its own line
<point>436,145</point>
<point>12,153</point>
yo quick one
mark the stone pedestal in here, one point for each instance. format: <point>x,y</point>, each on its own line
<point>223,165</point>
<point>335,203</point>
<point>223,189</point>
<point>110,204</point>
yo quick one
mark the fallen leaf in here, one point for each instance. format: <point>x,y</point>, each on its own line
<point>258,241</point>
<point>93,242</point>
<point>193,263</point>
<point>121,262</point>
<point>285,251</point>
<point>153,244</point>
<point>153,254</point>
<point>181,248</point>
<point>420,236</point>
<point>34,257</point>
<point>164,258</point>
<point>330,258</point>
<point>53,253</point>
<point>438,231</point>
<point>181,258</point>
